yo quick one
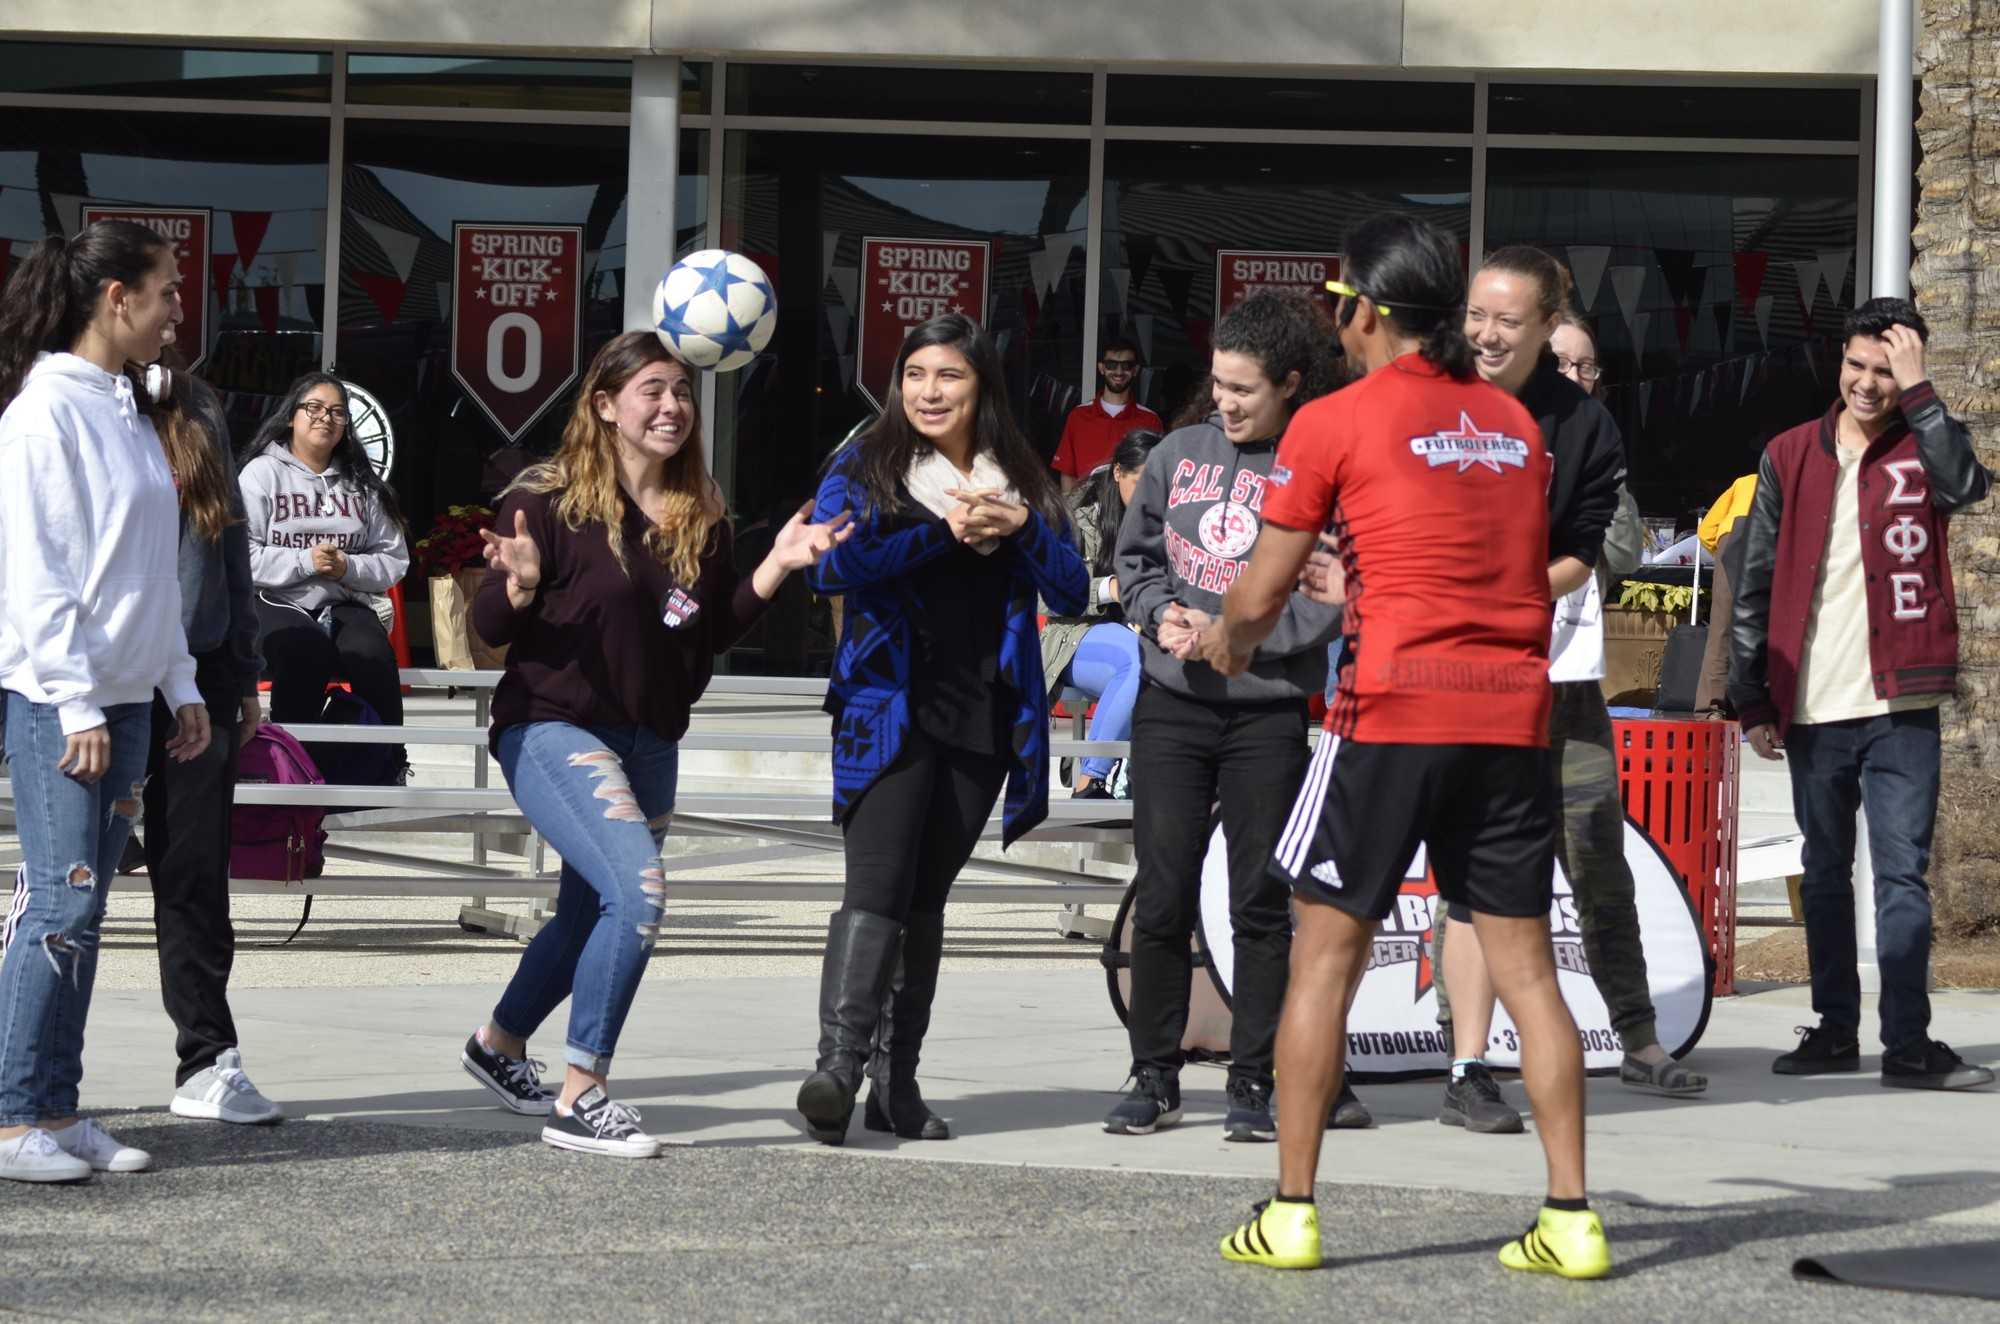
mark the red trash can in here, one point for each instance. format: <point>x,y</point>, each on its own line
<point>1678,781</point>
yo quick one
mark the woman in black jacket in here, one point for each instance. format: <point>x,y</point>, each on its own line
<point>1513,309</point>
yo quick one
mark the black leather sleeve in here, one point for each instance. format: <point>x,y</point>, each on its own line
<point>1944,444</point>
<point>1750,621</point>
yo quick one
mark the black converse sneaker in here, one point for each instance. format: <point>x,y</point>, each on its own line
<point>516,1080</point>
<point>596,1125</point>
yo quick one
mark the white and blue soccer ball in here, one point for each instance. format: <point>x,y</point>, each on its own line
<point>715,309</point>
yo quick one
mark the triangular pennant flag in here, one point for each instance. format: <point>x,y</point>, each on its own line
<point>1121,280</point>
<point>1627,283</point>
<point>1833,272</point>
<point>69,210</point>
<point>1645,401</point>
<point>398,246</point>
<point>838,321</point>
<point>1586,265</point>
<point>443,292</point>
<point>1058,247</point>
<point>1812,358</point>
<point>1694,394</point>
<point>846,368</point>
<point>1031,307</point>
<point>1677,267</point>
<point>266,297</point>
<point>1701,336</point>
<point>1806,272</point>
<point>1139,249</point>
<point>1038,271</point>
<point>1641,324</point>
<point>1750,269</point>
<point>1763,310</point>
<point>829,241</point>
<point>249,228</point>
<point>220,266</point>
<point>1683,318</point>
<point>847,280</point>
<point>1749,375</point>
<point>386,291</point>
<point>1724,314</point>
<point>1715,284</point>
<point>1179,281</point>
<point>1142,327</point>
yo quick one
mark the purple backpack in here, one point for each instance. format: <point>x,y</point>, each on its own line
<point>277,842</point>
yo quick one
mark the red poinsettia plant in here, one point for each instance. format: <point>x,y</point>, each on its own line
<point>454,544</point>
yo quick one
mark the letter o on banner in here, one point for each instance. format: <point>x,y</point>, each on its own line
<point>531,356</point>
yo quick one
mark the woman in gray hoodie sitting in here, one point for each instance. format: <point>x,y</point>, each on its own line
<point>324,534</point>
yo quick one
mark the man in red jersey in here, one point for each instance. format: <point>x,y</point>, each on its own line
<point>1434,485</point>
<point>1094,430</point>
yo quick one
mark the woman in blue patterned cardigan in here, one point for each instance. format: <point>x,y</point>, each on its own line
<point>937,697</point>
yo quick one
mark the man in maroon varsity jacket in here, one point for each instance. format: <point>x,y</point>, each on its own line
<point>1844,644</point>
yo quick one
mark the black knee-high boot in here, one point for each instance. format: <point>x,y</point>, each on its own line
<point>853,980</point>
<point>894,1103</point>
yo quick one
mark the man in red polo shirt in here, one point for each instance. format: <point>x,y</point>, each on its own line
<point>1094,430</point>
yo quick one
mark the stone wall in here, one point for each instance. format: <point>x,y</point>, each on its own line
<point>1956,281</point>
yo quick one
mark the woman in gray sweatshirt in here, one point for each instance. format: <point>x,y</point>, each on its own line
<point>325,535</point>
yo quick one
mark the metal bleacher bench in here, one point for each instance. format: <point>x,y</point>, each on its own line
<point>784,823</point>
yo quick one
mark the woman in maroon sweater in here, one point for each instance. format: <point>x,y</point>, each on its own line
<point>611,580</point>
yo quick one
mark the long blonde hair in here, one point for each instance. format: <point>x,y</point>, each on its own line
<point>585,468</point>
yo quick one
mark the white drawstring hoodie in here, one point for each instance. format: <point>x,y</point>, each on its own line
<point>90,598</point>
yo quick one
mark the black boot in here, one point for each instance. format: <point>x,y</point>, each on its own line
<point>894,1104</point>
<point>853,980</point>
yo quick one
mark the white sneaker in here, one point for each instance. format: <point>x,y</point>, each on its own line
<point>222,1093</point>
<point>596,1125</point>
<point>35,1156</point>
<point>100,1149</point>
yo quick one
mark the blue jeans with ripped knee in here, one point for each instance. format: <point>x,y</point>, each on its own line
<point>71,836</point>
<point>602,797</point>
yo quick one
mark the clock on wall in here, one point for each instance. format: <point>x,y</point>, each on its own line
<point>370,426</point>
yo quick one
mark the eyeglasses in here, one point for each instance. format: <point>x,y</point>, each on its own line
<point>1588,370</point>
<point>1118,365</point>
<point>1347,291</point>
<point>315,411</point>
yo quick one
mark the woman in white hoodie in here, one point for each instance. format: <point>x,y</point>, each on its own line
<point>90,627</point>
<point>325,535</point>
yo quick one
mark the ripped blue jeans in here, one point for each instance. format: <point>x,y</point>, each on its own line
<point>602,797</point>
<point>71,837</point>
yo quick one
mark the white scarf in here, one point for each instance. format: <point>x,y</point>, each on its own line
<point>931,476</point>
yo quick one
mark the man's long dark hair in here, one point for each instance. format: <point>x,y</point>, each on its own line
<point>355,466</point>
<point>885,451</point>
<point>1413,267</point>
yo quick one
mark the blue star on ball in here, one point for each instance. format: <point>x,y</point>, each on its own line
<point>732,337</point>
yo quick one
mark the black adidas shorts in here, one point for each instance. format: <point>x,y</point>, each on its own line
<point>1487,814</point>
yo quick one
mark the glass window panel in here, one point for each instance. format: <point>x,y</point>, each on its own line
<point>460,80</point>
<point>1168,208</point>
<point>908,92</point>
<point>801,204</point>
<point>406,183</point>
<point>1223,102</point>
<point>1716,285</point>
<point>1830,114</point>
<point>261,184</point>
<point>165,71</point>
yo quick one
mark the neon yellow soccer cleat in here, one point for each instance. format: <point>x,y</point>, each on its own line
<point>1281,1234</point>
<point>1570,1245</point>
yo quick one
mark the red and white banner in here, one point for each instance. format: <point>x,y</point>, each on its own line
<point>516,317</point>
<point>1242,271</point>
<point>904,283</point>
<point>188,230</point>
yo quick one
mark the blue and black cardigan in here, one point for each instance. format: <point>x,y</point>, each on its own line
<point>869,693</point>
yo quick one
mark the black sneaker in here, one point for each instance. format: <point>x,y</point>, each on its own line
<point>1931,1065</point>
<point>1348,1112</point>
<point>596,1125</point>
<point>516,1080</point>
<point>1473,1101</point>
<point>1155,1101</point>
<point>1822,1051</point>
<point>1249,1116</point>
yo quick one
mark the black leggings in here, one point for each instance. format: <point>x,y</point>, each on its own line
<point>300,659</point>
<point>912,830</point>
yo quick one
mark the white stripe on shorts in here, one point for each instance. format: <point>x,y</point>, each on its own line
<point>1304,822</point>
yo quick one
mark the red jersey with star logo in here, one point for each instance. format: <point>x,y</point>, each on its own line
<point>1438,492</point>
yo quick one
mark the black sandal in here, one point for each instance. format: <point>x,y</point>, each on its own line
<point>1669,1078</point>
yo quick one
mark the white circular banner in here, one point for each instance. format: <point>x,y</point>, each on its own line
<point>1392,1030</point>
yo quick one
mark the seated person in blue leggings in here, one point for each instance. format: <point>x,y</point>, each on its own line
<point>1097,653</point>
